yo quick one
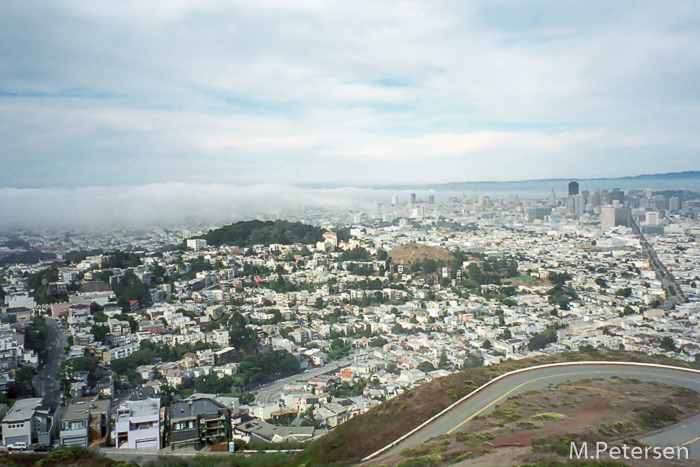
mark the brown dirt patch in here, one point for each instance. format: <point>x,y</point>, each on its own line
<point>585,415</point>
<point>412,252</point>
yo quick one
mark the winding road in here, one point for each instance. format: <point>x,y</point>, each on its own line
<point>457,417</point>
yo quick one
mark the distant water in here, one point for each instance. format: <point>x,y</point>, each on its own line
<point>539,189</point>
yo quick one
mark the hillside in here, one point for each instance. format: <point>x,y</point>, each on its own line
<point>413,252</point>
<point>364,434</point>
<point>249,233</point>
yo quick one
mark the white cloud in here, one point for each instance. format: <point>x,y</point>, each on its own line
<point>253,92</point>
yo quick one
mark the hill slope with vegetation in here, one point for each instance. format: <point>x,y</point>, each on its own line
<point>365,434</point>
<point>249,233</point>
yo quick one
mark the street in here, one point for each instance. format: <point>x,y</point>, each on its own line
<point>273,391</point>
<point>46,383</point>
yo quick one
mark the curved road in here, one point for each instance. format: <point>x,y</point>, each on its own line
<point>273,391</point>
<point>684,433</point>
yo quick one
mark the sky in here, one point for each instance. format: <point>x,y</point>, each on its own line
<point>132,93</point>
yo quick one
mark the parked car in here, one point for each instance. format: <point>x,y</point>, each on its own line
<point>18,446</point>
<point>40,448</point>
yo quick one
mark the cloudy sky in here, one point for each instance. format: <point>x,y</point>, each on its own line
<point>240,93</point>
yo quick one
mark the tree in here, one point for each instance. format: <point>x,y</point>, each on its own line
<point>507,334</point>
<point>668,344</point>
<point>429,266</point>
<point>36,337</point>
<point>426,367</point>
<point>25,374</point>
<point>308,418</point>
<point>472,361</point>
<point>246,398</point>
<point>392,368</point>
<point>100,332</point>
<point>541,340</point>
<point>486,344</point>
<point>379,342</point>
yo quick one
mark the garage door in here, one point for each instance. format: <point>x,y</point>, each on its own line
<point>151,443</point>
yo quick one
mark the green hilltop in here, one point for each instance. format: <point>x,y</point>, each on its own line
<point>249,233</point>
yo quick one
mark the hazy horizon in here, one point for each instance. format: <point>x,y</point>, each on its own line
<point>103,208</point>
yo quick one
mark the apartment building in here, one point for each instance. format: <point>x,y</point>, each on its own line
<point>197,423</point>
<point>138,424</point>
<point>85,423</point>
<point>28,421</point>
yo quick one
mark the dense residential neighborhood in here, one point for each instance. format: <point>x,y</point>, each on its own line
<point>268,332</point>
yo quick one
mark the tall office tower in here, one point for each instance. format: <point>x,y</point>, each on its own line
<point>579,205</point>
<point>431,199</point>
<point>486,202</point>
<point>607,218</point>
<point>573,188</point>
<point>413,198</point>
<point>648,192</point>
<point>475,199</point>
<point>394,200</point>
<point>659,202</point>
<point>623,216</point>
<point>595,199</point>
<point>674,203</point>
<point>618,196</point>
<point>552,197</point>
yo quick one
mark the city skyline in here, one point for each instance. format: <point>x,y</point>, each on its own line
<point>396,93</point>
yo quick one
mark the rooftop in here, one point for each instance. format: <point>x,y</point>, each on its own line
<point>192,408</point>
<point>83,409</point>
<point>142,408</point>
<point>23,410</point>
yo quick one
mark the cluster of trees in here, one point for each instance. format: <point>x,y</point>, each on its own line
<point>269,366</point>
<point>36,337</point>
<point>87,363</point>
<point>489,272</point>
<point>150,352</point>
<point>25,257</point>
<point>367,284</point>
<point>339,348</point>
<point>21,387</point>
<point>356,254</point>
<point>243,339</point>
<point>131,288</point>
<point>560,296</point>
<point>280,285</point>
<point>427,266</point>
<point>249,233</point>
<point>120,259</point>
<point>348,390</point>
<point>540,340</point>
<point>39,286</point>
<point>363,269</point>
